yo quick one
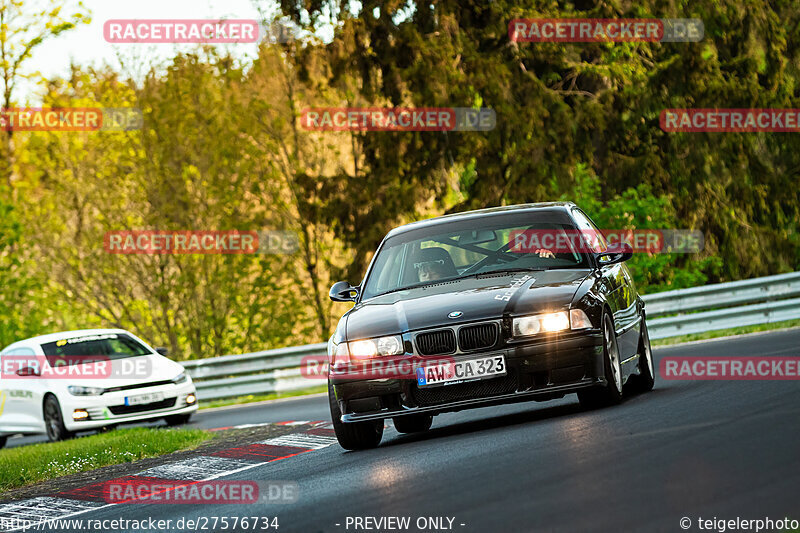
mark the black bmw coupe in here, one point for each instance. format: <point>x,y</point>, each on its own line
<point>525,302</point>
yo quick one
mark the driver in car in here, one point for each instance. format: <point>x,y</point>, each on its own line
<point>430,270</point>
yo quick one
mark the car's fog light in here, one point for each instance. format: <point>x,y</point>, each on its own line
<point>80,414</point>
<point>190,399</point>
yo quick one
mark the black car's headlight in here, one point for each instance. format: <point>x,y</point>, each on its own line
<point>344,352</point>
<point>550,322</point>
<point>578,319</point>
<point>366,348</point>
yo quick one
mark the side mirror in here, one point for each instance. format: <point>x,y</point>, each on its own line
<point>617,252</point>
<point>162,351</point>
<point>342,291</point>
<point>28,371</point>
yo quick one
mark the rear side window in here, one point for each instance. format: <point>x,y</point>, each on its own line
<point>108,346</point>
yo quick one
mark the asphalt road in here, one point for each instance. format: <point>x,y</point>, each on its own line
<point>696,449</point>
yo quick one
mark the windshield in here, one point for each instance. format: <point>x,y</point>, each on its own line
<point>104,347</point>
<point>471,247</point>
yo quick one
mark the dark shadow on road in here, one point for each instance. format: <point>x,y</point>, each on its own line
<point>526,417</point>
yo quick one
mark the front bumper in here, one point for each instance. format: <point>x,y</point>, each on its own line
<point>109,409</point>
<point>538,369</point>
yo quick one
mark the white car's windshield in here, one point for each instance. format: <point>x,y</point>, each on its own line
<point>107,346</point>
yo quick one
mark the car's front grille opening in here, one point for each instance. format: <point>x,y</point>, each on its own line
<point>130,409</point>
<point>140,385</point>
<point>440,342</point>
<point>463,391</point>
<point>477,337</point>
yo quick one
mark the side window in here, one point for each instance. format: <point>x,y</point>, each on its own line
<point>19,351</point>
<point>389,267</point>
<point>594,237</point>
<point>15,352</point>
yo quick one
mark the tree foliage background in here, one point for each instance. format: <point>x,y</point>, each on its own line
<point>222,148</point>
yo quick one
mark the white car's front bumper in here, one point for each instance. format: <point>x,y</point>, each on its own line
<point>110,408</point>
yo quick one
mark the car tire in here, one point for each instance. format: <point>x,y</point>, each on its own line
<point>3,442</point>
<point>355,435</point>
<point>611,392</point>
<point>413,423</point>
<point>53,421</point>
<point>178,420</point>
<point>646,379</point>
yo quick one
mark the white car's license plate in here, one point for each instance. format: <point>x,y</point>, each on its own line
<point>141,399</point>
<point>461,370</point>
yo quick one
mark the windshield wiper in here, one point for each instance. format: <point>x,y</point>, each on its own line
<point>468,276</point>
<point>506,271</point>
<point>418,285</point>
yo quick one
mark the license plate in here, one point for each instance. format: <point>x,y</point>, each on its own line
<point>461,371</point>
<point>140,399</point>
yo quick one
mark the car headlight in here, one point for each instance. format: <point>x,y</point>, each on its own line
<point>180,378</point>
<point>364,349</point>
<point>77,390</point>
<point>531,325</point>
<point>578,319</point>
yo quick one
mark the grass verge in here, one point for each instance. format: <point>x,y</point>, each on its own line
<point>262,397</point>
<point>39,462</point>
<point>726,332</point>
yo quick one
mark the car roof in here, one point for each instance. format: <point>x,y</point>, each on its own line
<point>62,335</point>
<point>540,207</point>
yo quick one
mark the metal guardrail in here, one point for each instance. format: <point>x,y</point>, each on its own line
<point>669,314</point>
<point>722,295</point>
<point>253,373</point>
<point>723,305</point>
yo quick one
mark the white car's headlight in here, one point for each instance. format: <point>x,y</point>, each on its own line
<point>531,325</point>
<point>77,390</point>
<point>363,349</point>
<point>180,378</point>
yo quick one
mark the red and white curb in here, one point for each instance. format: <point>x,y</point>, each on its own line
<point>288,423</point>
<point>190,470</point>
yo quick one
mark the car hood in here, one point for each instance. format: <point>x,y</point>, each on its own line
<point>486,297</point>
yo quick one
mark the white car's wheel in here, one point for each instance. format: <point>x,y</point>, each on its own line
<point>53,421</point>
